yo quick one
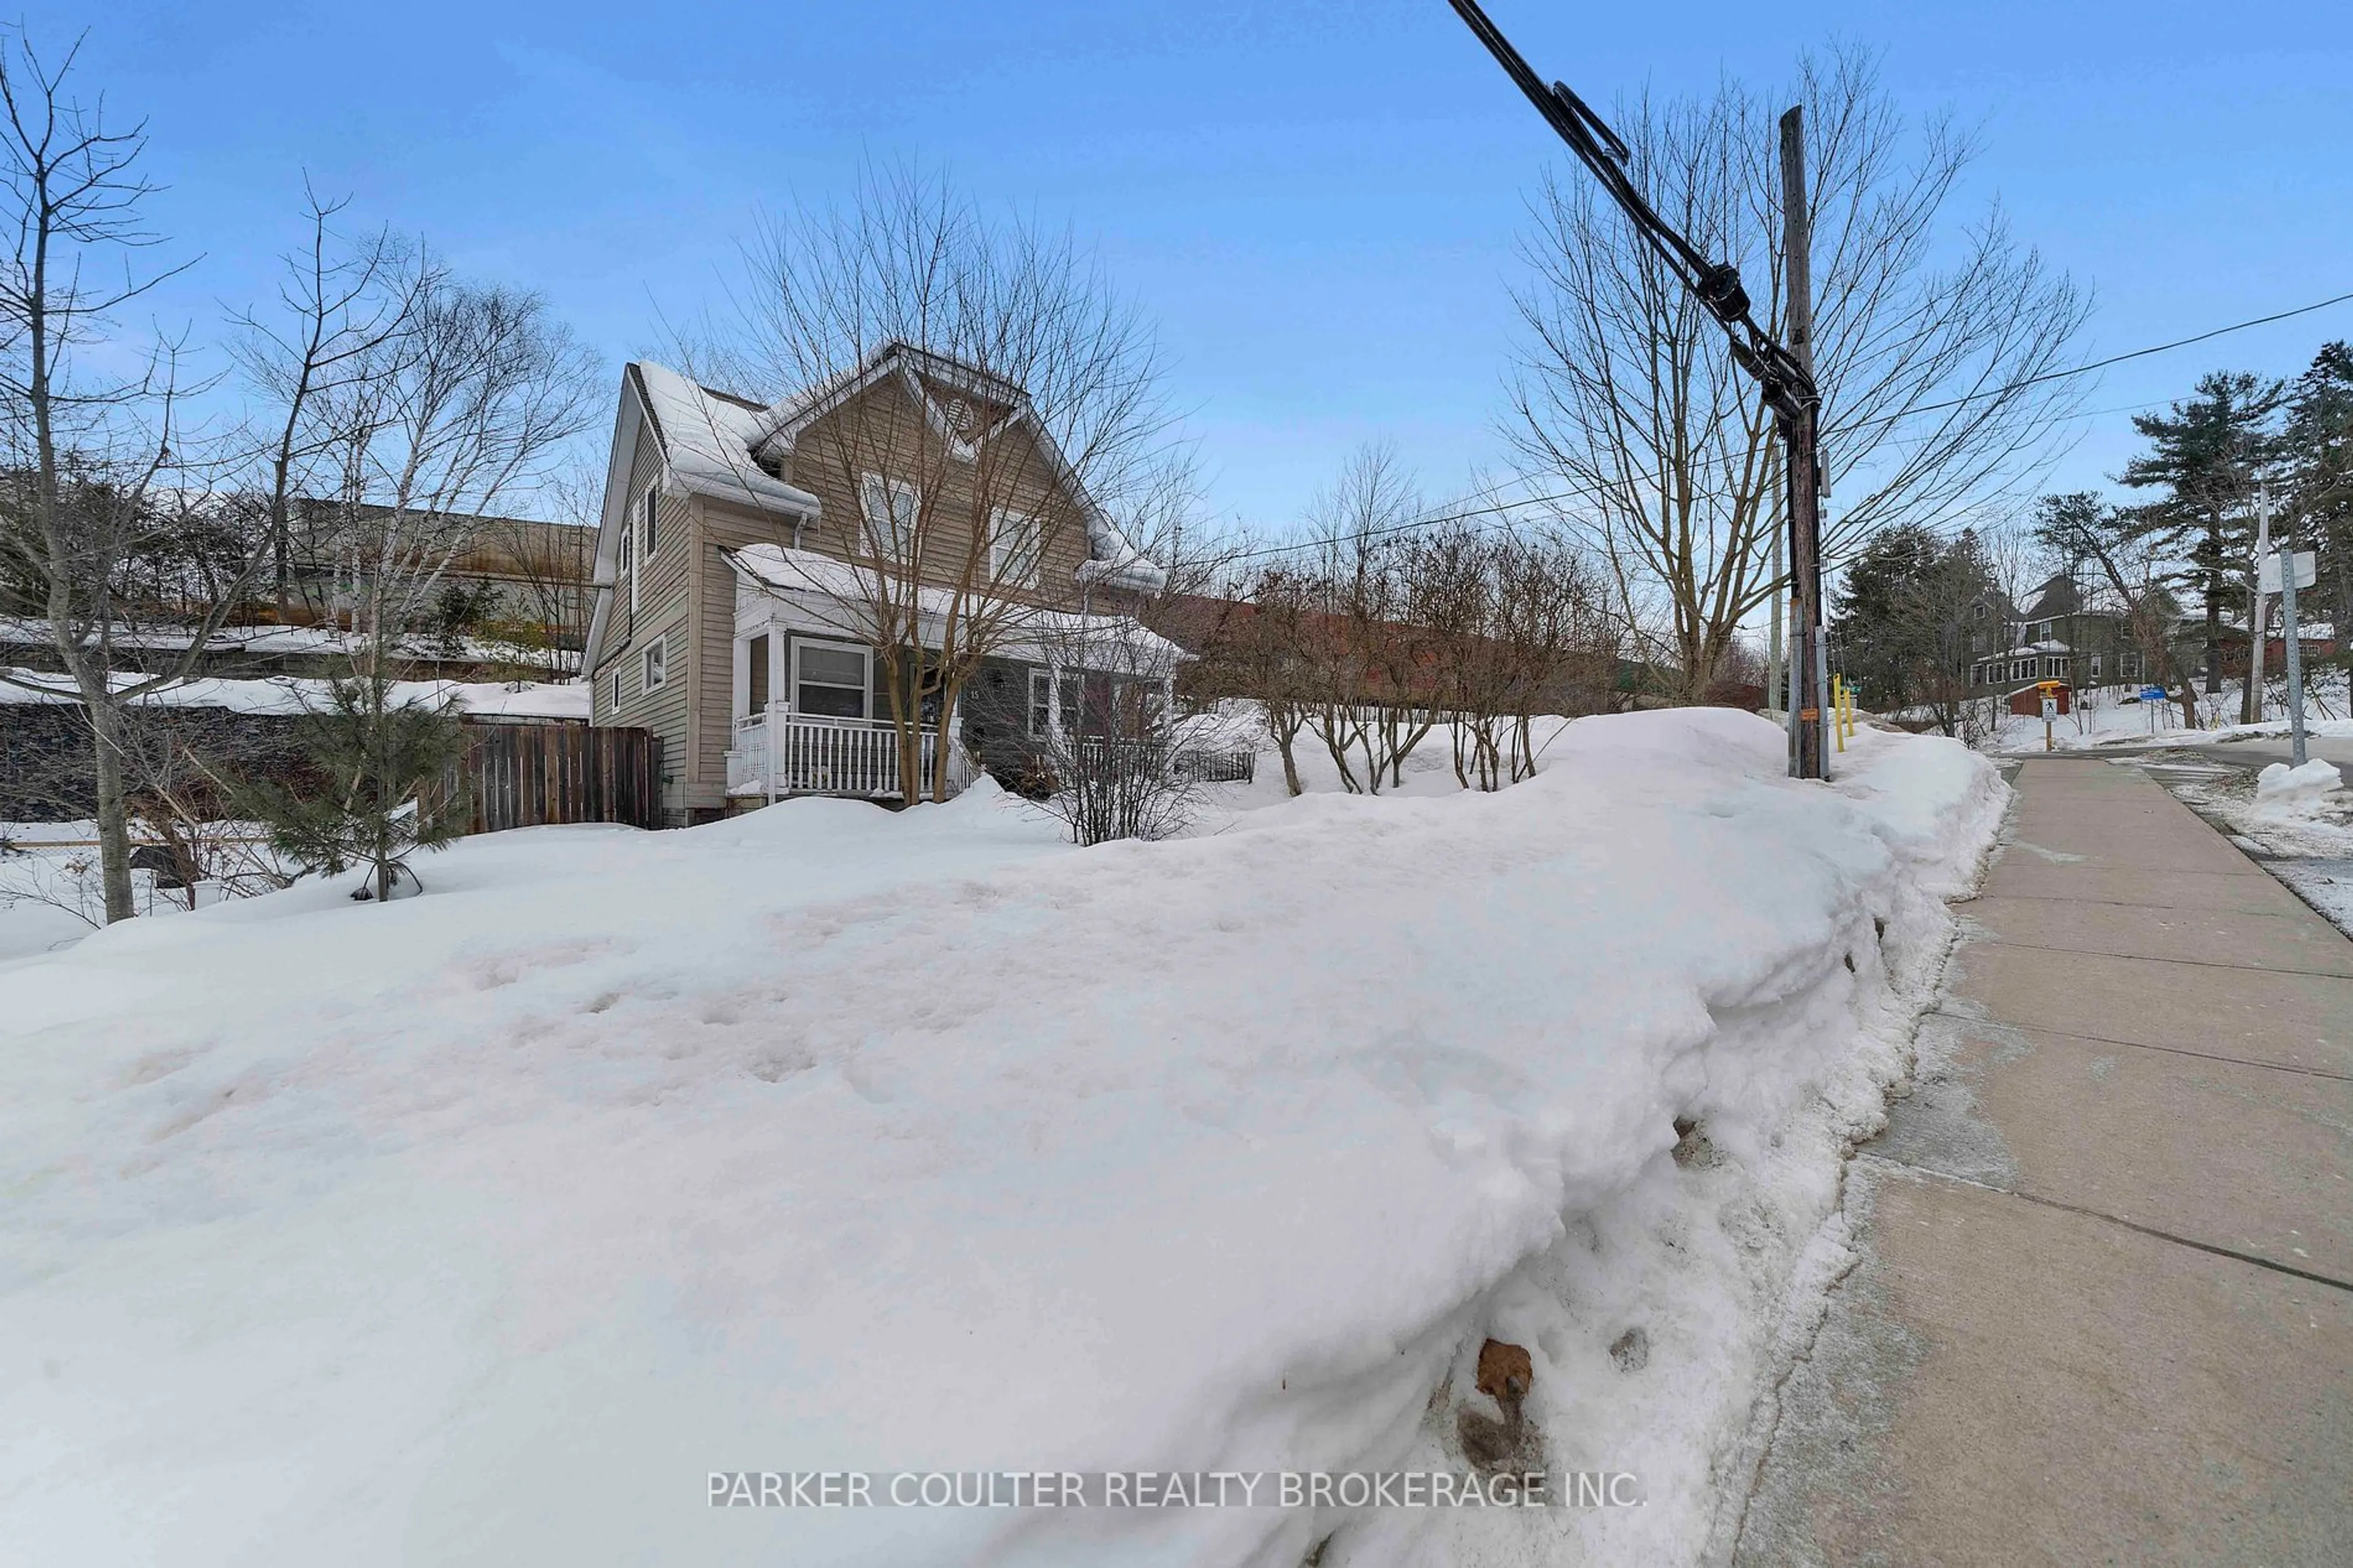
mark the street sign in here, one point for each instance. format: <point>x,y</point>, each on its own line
<point>2307,572</point>
<point>2152,694</point>
<point>2050,708</point>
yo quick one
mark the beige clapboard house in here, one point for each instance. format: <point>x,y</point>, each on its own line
<point>754,559</point>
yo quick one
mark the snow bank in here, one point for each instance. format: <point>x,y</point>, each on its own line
<point>481,1226</point>
<point>2280,784</point>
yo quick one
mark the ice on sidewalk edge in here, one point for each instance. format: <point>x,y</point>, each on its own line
<point>483,1226</point>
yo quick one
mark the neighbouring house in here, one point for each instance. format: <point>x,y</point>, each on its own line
<point>2063,633</point>
<point>762,568</point>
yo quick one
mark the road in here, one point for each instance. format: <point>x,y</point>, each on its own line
<point>2257,755</point>
<point>2252,755</point>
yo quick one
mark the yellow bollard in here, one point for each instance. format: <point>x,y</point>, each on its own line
<point>1838,710</point>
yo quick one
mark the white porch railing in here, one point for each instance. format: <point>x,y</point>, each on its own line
<point>778,752</point>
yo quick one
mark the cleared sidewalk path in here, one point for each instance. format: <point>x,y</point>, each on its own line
<point>2105,1308</point>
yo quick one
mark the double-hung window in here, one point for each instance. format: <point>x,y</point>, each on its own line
<point>628,562</point>
<point>650,522</point>
<point>1016,545</point>
<point>891,510</point>
<point>1042,704</point>
<point>831,680</point>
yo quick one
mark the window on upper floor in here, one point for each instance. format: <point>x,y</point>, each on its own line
<point>650,522</point>
<point>891,509</point>
<point>627,561</point>
<point>654,665</point>
<point>1016,547</point>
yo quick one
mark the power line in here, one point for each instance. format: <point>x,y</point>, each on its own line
<point>1588,492</point>
<point>2103,363</point>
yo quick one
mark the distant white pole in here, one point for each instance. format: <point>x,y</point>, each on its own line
<point>2256,616</point>
<point>2295,642</point>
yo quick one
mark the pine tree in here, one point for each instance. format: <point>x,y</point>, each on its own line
<point>2207,454</point>
<point>385,763</point>
<point>1871,612</point>
<point>1900,619</point>
<point>2318,443</point>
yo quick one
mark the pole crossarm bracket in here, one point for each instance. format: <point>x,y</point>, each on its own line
<point>1788,390</point>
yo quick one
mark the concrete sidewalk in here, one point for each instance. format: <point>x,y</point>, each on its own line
<point>2105,1308</point>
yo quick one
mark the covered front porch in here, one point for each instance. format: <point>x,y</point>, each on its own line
<point>812,713</point>
<point>778,752</point>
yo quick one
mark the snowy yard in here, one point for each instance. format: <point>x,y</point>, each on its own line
<point>481,1226</point>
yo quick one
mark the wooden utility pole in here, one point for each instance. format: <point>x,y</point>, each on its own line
<point>1784,373</point>
<point>1802,436</point>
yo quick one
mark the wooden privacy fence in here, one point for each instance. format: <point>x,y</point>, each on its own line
<point>527,775</point>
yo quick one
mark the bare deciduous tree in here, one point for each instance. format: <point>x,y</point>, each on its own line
<point>468,400</point>
<point>1010,332</point>
<point>1247,630</point>
<point>1925,333</point>
<point>1518,628</point>
<point>1363,659</point>
<point>338,307</point>
<point>102,480</point>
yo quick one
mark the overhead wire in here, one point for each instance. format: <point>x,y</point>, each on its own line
<point>1588,492</point>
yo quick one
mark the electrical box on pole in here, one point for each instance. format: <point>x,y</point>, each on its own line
<point>1784,373</point>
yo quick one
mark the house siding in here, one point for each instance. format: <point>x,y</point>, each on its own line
<point>883,430</point>
<point>660,611</point>
<point>719,528</point>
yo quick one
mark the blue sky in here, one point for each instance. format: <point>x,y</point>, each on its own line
<point>1318,202</point>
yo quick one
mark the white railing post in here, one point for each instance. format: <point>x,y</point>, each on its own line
<point>768,727</point>
<point>850,756</point>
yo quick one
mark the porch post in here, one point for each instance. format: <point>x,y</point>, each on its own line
<point>772,736</point>
<point>1166,739</point>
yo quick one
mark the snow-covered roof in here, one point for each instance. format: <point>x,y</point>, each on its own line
<point>706,438</point>
<point>739,438</point>
<point>1032,632</point>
